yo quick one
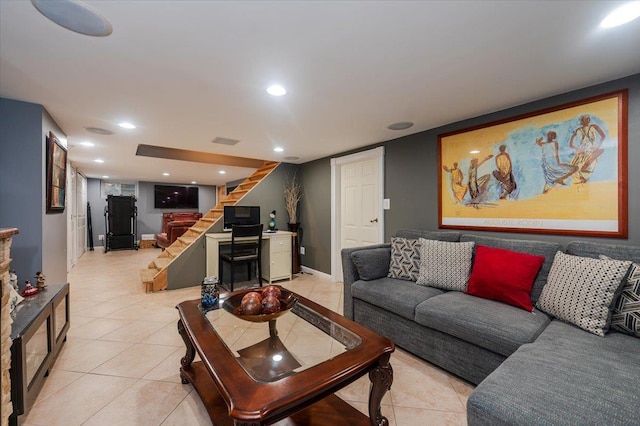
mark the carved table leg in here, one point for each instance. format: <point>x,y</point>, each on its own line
<point>190,355</point>
<point>381,379</point>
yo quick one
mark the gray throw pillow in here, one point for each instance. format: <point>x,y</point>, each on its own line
<point>626,311</point>
<point>405,259</point>
<point>444,264</point>
<point>581,290</point>
<point>372,264</point>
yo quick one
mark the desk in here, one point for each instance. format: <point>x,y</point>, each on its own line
<point>276,254</point>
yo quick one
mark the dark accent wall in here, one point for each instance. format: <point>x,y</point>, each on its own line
<point>411,178</point>
<point>41,244</point>
<point>149,218</point>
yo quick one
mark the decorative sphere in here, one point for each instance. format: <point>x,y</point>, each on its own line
<point>270,305</point>
<point>271,291</point>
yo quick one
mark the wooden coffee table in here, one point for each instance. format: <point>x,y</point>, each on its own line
<point>252,373</point>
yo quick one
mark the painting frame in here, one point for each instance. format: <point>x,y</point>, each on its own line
<point>56,175</point>
<point>561,170</point>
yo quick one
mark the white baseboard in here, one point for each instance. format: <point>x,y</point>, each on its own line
<point>308,270</point>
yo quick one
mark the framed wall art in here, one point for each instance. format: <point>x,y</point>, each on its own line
<point>562,170</point>
<point>56,175</point>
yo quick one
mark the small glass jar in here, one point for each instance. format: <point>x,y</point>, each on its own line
<point>210,293</point>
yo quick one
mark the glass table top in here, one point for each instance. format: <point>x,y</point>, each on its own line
<point>269,351</point>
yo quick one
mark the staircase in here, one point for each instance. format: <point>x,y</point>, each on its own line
<point>154,278</point>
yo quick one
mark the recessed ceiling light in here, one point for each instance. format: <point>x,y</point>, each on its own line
<point>105,177</point>
<point>87,144</point>
<point>276,90</point>
<point>75,16</point>
<point>126,125</point>
<point>165,174</point>
<point>400,125</point>
<point>98,160</point>
<point>222,172</point>
<point>278,149</point>
<point>625,13</point>
<point>475,151</point>
<point>193,182</point>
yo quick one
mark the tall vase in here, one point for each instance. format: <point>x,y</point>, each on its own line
<point>295,258</point>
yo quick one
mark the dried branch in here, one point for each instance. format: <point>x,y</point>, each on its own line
<point>292,196</point>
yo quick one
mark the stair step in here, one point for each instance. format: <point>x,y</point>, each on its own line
<point>148,274</point>
<point>186,240</point>
<point>162,262</point>
<point>174,251</point>
<point>208,219</point>
<point>198,229</point>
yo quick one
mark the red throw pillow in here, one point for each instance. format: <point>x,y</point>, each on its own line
<point>504,275</point>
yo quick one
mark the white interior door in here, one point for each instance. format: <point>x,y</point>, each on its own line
<point>357,203</point>
<point>72,258</point>
<point>81,216</point>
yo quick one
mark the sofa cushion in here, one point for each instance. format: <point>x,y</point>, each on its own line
<point>445,264</point>
<point>393,295</point>
<point>581,290</point>
<point>405,259</point>
<point>491,325</point>
<point>416,234</point>
<point>372,263</point>
<point>566,377</point>
<point>626,311</point>
<point>538,248</point>
<point>504,275</point>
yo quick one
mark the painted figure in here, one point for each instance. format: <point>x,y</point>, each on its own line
<point>457,186</point>
<point>504,173</point>
<point>590,138</point>
<point>477,184</point>
<point>554,171</point>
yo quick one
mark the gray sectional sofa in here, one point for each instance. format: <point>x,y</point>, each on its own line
<point>530,368</point>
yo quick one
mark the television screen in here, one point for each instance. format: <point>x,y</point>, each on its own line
<point>175,197</point>
<point>240,215</point>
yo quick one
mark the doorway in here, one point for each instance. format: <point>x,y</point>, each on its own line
<point>357,214</point>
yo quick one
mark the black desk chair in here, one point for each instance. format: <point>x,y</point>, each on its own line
<point>246,247</point>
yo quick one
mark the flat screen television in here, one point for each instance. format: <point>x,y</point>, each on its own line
<point>175,197</point>
<point>240,215</point>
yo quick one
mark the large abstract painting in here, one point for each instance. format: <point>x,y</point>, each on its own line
<point>562,170</point>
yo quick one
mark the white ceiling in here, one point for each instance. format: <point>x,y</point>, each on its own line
<point>186,72</point>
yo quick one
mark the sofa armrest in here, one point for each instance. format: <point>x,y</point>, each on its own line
<point>350,275</point>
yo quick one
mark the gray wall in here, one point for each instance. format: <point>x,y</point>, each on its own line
<point>41,244</point>
<point>149,218</point>
<point>268,194</point>
<point>411,174</point>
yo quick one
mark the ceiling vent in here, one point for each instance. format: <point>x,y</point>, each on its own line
<point>225,141</point>
<point>98,131</point>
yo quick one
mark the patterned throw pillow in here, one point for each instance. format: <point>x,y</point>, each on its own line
<point>581,290</point>
<point>626,312</point>
<point>405,259</point>
<point>445,265</point>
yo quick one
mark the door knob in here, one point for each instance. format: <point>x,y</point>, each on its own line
<point>374,220</point>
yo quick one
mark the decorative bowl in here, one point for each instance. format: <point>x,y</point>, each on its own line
<point>231,304</point>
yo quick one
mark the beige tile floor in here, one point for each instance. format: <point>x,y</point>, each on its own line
<point>120,363</point>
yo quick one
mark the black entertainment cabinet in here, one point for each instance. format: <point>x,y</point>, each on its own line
<point>38,331</point>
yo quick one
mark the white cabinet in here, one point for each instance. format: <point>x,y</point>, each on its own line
<point>276,257</point>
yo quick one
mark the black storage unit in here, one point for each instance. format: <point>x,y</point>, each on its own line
<point>39,329</point>
<point>120,220</point>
